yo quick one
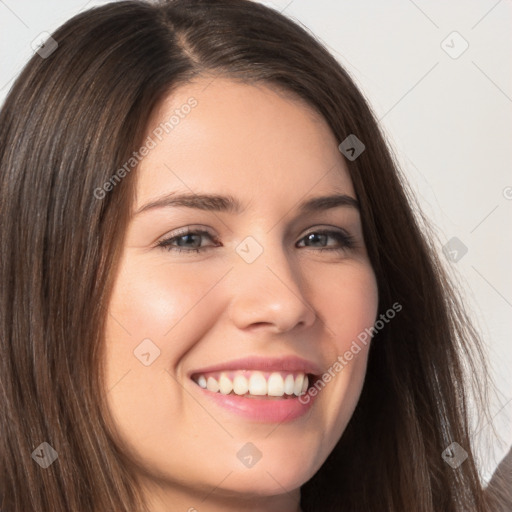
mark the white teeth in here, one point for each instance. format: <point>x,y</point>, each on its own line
<point>297,389</point>
<point>257,384</point>
<point>212,385</point>
<point>225,385</point>
<point>304,385</point>
<point>202,381</point>
<point>276,384</point>
<point>240,385</point>
<point>289,384</point>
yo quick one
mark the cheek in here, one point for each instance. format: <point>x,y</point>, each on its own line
<point>163,304</point>
<point>348,306</point>
<point>160,309</point>
<point>156,301</point>
<point>347,302</point>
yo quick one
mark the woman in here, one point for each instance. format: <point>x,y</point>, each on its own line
<point>305,352</point>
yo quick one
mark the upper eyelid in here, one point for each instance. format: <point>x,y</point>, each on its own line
<point>195,229</point>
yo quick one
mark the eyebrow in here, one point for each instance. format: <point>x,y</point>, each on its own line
<point>228,203</point>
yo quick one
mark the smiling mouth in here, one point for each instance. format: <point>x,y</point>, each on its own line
<point>256,384</point>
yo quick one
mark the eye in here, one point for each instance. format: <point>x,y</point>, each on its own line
<point>189,240</point>
<point>345,241</point>
<point>189,237</point>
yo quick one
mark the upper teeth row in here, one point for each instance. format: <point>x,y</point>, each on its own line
<point>256,384</point>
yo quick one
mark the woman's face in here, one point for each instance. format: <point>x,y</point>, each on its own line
<point>251,301</point>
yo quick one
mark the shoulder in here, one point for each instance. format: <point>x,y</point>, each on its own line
<point>500,484</point>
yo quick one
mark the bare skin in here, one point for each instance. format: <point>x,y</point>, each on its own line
<point>270,152</point>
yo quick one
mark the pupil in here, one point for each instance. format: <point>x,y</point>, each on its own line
<point>314,236</point>
<point>188,238</point>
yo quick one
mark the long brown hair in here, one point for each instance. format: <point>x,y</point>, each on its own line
<point>69,122</point>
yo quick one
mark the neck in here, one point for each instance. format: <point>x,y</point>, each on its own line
<point>208,500</point>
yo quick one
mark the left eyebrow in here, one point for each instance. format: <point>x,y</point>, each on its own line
<point>228,203</point>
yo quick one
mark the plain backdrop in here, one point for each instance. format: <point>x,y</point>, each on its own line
<point>438,76</point>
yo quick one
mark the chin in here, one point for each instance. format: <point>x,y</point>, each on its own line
<point>275,476</point>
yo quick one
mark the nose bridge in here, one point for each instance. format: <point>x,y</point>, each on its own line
<point>268,285</point>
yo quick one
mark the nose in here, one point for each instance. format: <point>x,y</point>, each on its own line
<point>269,292</point>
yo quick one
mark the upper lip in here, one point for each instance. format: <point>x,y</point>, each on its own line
<point>286,364</point>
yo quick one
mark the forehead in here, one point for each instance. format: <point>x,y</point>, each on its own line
<point>252,141</point>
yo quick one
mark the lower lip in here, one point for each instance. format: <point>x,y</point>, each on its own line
<point>261,410</point>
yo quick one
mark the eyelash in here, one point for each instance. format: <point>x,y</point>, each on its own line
<point>347,241</point>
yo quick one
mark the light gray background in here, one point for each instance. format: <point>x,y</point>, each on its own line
<point>448,120</point>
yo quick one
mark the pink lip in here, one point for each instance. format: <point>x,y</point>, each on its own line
<point>262,410</point>
<point>284,364</point>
